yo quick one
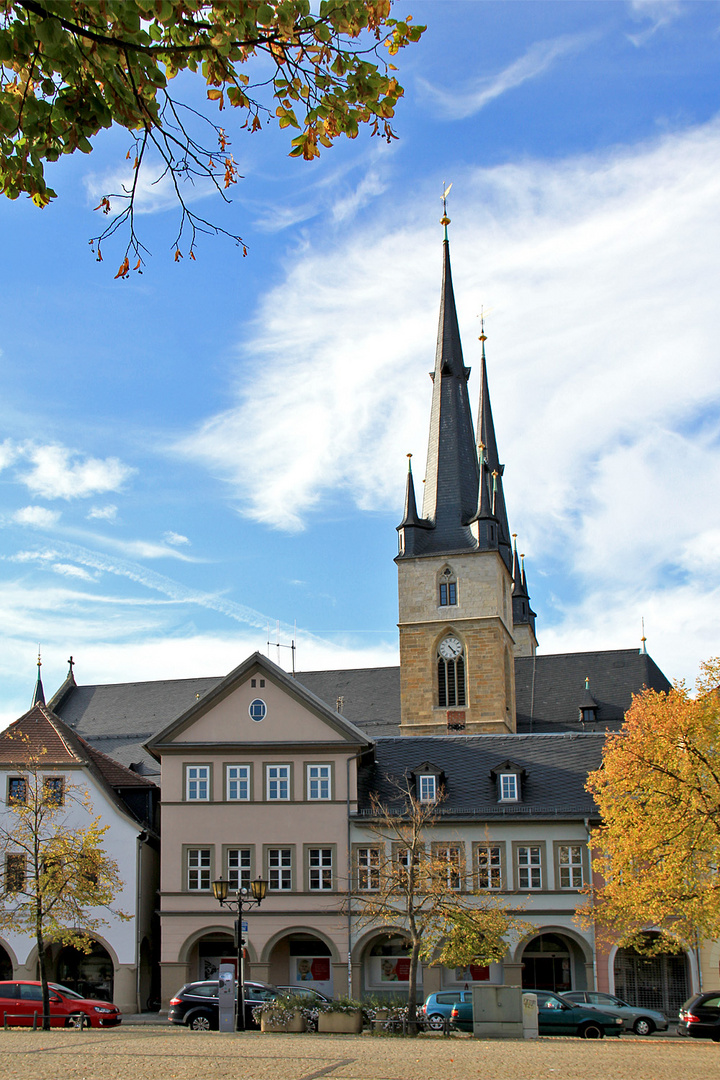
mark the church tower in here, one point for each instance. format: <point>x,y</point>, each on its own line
<point>455,563</point>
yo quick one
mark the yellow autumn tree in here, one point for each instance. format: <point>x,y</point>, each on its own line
<point>658,849</point>
<point>57,882</point>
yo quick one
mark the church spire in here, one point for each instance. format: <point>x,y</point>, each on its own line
<point>487,441</point>
<point>451,487</point>
<point>39,693</point>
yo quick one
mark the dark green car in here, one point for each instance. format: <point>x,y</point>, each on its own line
<point>555,1017</point>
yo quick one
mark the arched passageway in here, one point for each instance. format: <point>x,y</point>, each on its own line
<point>90,974</point>
<point>302,959</point>
<point>553,962</point>
<point>654,982</point>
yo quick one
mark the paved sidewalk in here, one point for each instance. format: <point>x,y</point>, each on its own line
<point>149,1052</point>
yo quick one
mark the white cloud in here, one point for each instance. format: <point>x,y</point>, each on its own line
<point>154,192</point>
<point>661,13</point>
<point>57,473</point>
<point>68,570</point>
<point>174,538</point>
<point>36,516</point>
<point>465,101</point>
<point>7,453</point>
<point>103,513</point>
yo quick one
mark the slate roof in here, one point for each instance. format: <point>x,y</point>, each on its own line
<point>559,687</point>
<point>556,768</point>
<point>118,718</point>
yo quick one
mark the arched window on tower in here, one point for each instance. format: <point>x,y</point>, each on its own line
<point>451,672</point>
<point>447,588</point>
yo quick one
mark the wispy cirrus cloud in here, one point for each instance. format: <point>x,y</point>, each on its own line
<point>659,13</point>
<point>103,513</point>
<point>463,101</point>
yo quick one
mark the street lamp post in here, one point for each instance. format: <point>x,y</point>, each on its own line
<point>240,903</point>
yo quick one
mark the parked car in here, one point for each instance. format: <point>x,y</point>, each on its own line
<point>196,1004</point>
<point>438,1007</point>
<point>700,1016</point>
<point>555,1017</point>
<point>21,1001</point>
<point>635,1018</point>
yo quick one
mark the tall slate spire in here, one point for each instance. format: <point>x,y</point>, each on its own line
<point>487,445</point>
<point>451,479</point>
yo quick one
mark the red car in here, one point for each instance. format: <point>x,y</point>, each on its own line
<point>20,1001</point>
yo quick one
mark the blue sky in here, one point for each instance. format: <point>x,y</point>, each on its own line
<point>212,448</point>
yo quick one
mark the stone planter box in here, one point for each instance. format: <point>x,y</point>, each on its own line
<point>297,1024</point>
<point>340,1023</point>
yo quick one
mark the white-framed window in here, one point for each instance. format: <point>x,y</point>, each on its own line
<point>368,868</point>
<point>280,869</point>
<point>320,869</point>
<point>197,783</point>
<point>508,787</point>
<point>237,783</point>
<point>488,866</point>
<point>570,866</point>
<point>199,862</point>
<point>319,782</point>
<point>448,859</point>
<point>427,788</point>
<point>529,865</point>
<point>239,868</point>
<point>278,782</point>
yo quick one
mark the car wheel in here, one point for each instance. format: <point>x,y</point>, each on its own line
<point>591,1031</point>
<point>643,1026</point>
<point>77,1020</point>
<point>200,1022</point>
<point>435,1022</point>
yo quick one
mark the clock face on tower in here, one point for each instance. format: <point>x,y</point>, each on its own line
<point>450,648</point>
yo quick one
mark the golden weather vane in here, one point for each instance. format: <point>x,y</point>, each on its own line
<point>445,220</point>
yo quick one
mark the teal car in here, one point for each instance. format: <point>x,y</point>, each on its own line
<point>555,1017</point>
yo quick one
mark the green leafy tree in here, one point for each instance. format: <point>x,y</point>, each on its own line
<point>419,884</point>
<point>69,68</point>
<point>55,876</point>
<point>657,853</point>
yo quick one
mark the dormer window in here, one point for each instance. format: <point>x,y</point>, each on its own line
<point>509,778</point>
<point>448,588</point>
<point>588,708</point>
<point>428,780</point>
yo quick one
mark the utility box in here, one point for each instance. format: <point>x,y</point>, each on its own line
<point>530,1016</point>
<point>497,1012</point>
<point>226,997</point>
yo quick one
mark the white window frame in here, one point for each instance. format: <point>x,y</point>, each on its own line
<point>195,777</point>
<point>277,783</point>
<point>509,787</point>
<point>280,869</point>
<point>320,869</point>
<point>451,856</point>
<point>319,783</point>
<point>241,777</point>
<point>489,867</point>
<point>368,868</point>
<point>529,867</point>
<point>427,788</point>
<point>571,868</point>
<point>199,869</point>
<point>239,867</point>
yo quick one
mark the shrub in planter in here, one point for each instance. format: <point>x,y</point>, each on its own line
<point>343,1015</point>
<point>286,1014</point>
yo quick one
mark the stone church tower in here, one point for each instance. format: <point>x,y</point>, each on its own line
<point>463,600</point>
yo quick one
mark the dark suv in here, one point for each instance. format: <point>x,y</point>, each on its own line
<point>196,1004</point>
<point>700,1016</point>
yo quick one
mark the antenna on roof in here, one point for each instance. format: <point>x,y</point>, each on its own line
<point>281,645</point>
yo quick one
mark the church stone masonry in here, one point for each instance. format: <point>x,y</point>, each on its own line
<point>462,619</point>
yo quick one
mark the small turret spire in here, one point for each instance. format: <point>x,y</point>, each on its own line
<point>39,693</point>
<point>517,572</point>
